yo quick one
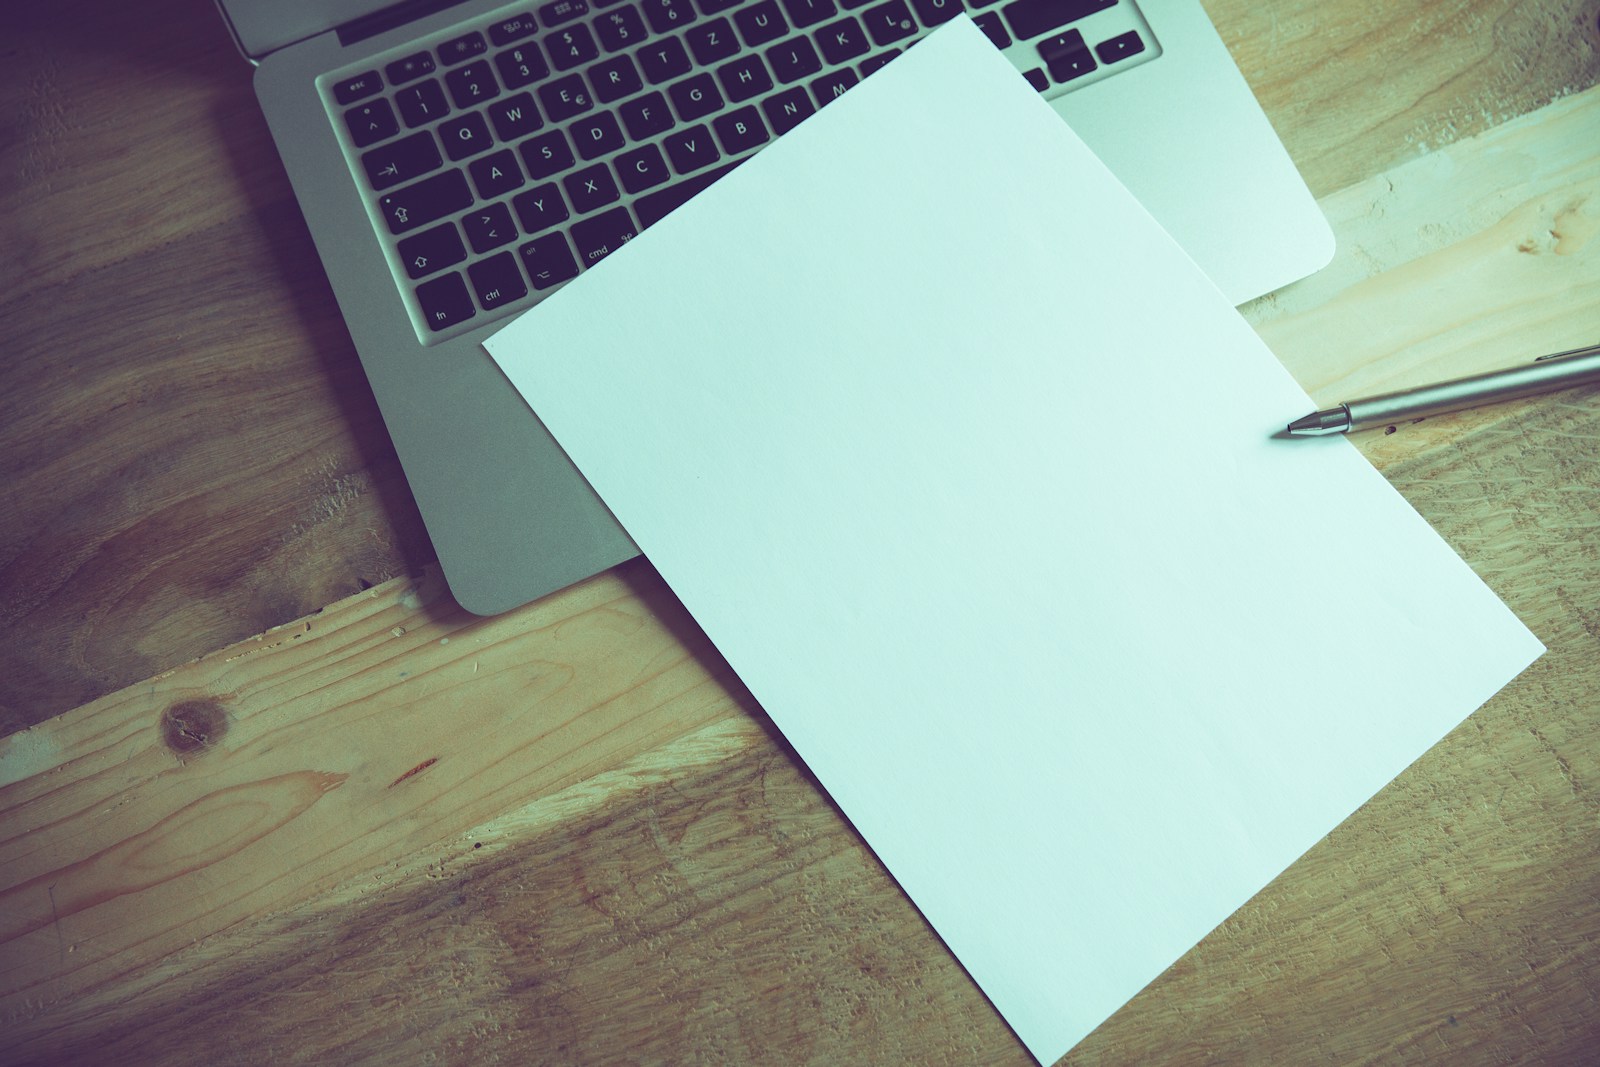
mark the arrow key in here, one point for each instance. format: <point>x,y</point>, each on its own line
<point>432,250</point>
<point>1066,55</point>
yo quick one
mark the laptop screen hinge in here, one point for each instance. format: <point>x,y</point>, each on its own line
<point>389,18</point>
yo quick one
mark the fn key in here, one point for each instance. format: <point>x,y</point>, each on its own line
<point>445,301</point>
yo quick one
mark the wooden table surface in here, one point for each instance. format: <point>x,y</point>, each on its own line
<point>271,797</point>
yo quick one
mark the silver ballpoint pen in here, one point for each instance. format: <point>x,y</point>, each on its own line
<point>1559,370</point>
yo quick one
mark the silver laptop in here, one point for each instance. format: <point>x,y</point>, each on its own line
<point>458,160</point>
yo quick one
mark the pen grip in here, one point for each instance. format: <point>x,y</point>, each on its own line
<point>1580,367</point>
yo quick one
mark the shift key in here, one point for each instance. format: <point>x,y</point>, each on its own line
<point>426,201</point>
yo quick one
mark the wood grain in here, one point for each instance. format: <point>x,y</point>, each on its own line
<point>391,832</point>
<point>1353,89</point>
<point>372,730</point>
<point>188,449</point>
<point>1444,271</point>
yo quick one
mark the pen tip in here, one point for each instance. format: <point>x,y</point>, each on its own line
<point>1319,423</point>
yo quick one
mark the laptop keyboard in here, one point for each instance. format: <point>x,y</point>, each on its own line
<point>501,159</point>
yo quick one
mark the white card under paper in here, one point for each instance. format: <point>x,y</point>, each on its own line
<point>966,469</point>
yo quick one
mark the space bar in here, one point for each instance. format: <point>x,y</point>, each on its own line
<point>654,207</point>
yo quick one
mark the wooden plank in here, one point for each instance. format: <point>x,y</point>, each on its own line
<point>316,754</point>
<point>612,857</point>
<point>1445,270</point>
<point>1354,89</point>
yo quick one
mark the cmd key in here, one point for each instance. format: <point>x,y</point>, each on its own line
<point>600,235</point>
<point>1030,18</point>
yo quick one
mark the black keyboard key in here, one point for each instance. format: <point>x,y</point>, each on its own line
<point>695,97</point>
<point>645,116</point>
<point>1030,18</point>
<point>872,63</point>
<point>619,29</point>
<point>888,23</point>
<point>472,84</point>
<point>497,282</point>
<point>1066,56</point>
<point>714,7</point>
<point>614,79</point>
<point>489,227</point>
<point>1061,44</point>
<point>514,117</point>
<point>596,135</point>
<point>653,207</point>
<point>462,49</point>
<point>711,42</point>
<point>400,161</point>
<point>565,98</point>
<point>691,149</point>
<point>742,79</point>
<point>1037,78</point>
<point>465,136</point>
<point>803,13</point>
<point>371,123</point>
<point>422,103</point>
<point>788,109</point>
<point>410,68</point>
<point>760,23</point>
<point>559,12</point>
<point>571,46</point>
<point>548,260</point>
<point>641,169</point>
<point>842,41</point>
<point>739,130</point>
<point>851,5</point>
<point>989,23</point>
<point>540,208</point>
<point>794,59</point>
<point>1119,47</point>
<point>1070,66</point>
<point>432,250</point>
<point>662,60</point>
<point>590,188</point>
<point>445,302</point>
<point>495,175</point>
<point>831,87</point>
<point>521,66</point>
<point>427,201</point>
<point>668,15</point>
<point>936,12</point>
<point>546,154</point>
<point>516,28</point>
<point>603,234</point>
<point>359,87</point>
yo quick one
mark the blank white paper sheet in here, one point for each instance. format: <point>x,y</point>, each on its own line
<point>968,471</point>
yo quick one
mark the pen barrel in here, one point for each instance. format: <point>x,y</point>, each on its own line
<point>1580,367</point>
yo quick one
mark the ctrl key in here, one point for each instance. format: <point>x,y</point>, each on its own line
<point>549,260</point>
<point>497,281</point>
<point>445,301</point>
